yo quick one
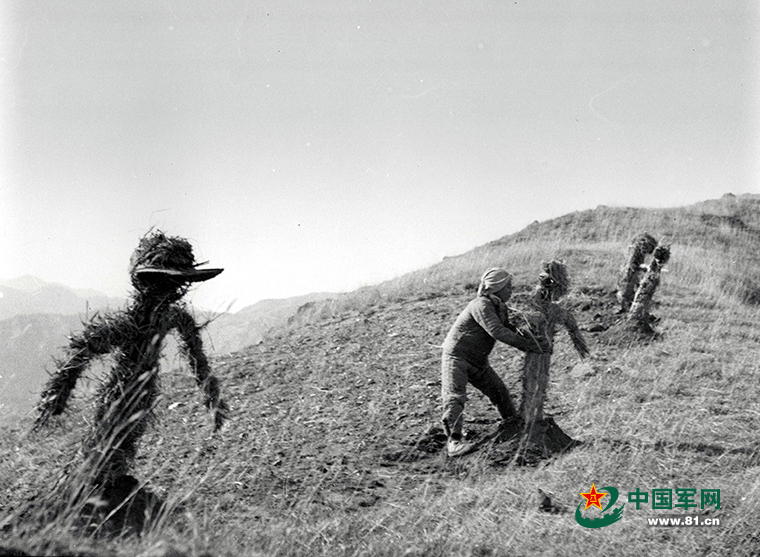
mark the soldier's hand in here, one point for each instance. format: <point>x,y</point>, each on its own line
<point>541,345</point>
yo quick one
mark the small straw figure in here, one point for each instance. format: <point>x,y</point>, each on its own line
<point>630,273</point>
<point>639,315</point>
<point>542,321</point>
<point>161,270</point>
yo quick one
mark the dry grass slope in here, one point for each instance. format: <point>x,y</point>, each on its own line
<point>330,449</point>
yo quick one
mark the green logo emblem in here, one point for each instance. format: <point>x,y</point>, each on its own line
<point>593,498</point>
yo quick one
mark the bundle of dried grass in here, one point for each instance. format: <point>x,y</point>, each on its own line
<point>639,316</point>
<point>630,273</point>
<point>160,251</point>
<point>553,280</point>
<point>542,321</point>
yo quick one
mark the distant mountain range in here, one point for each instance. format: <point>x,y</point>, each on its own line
<point>29,295</point>
<point>230,332</point>
<point>36,318</point>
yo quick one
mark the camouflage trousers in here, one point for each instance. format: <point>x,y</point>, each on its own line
<point>456,373</point>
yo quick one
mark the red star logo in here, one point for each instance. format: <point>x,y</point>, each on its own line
<point>592,498</point>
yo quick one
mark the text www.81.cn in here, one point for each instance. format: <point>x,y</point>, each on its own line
<point>683,520</point>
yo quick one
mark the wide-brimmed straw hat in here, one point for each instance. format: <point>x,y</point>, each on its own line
<point>159,255</point>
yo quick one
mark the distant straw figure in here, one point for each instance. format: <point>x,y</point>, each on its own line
<point>542,321</point>
<point>639,315</point>
<point>630,273</point>
<point>161,270</point>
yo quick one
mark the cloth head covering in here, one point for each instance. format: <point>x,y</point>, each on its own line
<point>493,280</point>
<point>161,255</point>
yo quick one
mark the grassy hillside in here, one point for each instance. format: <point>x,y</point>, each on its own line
<point>230,332</point>
<point>332,448</point>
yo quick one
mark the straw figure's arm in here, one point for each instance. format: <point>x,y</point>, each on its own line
<point>486,317</point>
<point>99,337</point>
<point>568,320</point>
<point>192,348</point>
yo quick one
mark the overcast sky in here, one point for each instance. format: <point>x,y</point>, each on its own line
<point>322,146</point>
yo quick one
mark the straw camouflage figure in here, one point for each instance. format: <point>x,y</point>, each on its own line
<point>542,321</point>
<point>631,272</point>
<point>639,316</point>
<point>161,271</point>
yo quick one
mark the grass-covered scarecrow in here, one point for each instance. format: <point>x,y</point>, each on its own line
<point>639,316</point>
<point>543,319</point>
<point>633,269</point>
<point>161,271</point>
